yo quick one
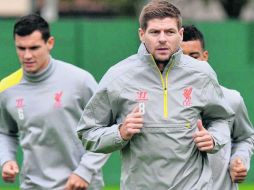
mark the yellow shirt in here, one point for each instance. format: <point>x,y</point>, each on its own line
<point>11,80</point>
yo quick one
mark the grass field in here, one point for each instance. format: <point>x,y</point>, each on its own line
<point>246,187</point>
<point>242,187</point>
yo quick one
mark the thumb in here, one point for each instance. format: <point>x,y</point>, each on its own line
<point>200,125</point>
<point>135,109</point>
<point>238,161</point>
<point>14,167</point>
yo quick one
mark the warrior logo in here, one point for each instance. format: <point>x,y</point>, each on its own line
<point>20,106</point>
<point>187,96</point>
<point>58,99</point>
<point>142,96</point>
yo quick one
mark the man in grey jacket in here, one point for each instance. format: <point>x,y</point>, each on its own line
<point>150,107</point>
<point>41,112</point>
<point>229,165</point>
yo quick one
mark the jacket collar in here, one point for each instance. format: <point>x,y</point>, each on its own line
<point>42,75</point>
<point>146,57</point>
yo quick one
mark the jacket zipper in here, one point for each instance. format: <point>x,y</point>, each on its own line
<point>164,83</point>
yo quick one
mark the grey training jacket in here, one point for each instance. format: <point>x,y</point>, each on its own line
<point>42,113</point>
<point>240,146</point>
<point>163,156</point>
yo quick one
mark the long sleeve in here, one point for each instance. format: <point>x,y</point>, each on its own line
<point>98,118</point>
<point>91,164</point>
<point>8,135</point>
<point>242,134</point>
<point>217,114</point>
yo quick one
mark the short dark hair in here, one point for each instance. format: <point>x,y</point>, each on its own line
<point>26,25</point>
<point>191,33</point>
<point>159,9</point>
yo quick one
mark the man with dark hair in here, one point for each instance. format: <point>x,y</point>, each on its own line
<point>150,107</point>
<point>41,112</point>
<point>193,43</point>
<point>229,165</point>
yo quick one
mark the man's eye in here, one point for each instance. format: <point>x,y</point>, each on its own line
<point>195,57</point>
<point>34,48</point>
<point>21,48</point>
<point>170,32</point>
<point>154,32</point>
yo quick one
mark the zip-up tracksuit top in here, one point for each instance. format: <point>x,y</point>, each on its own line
<point>163,156</point>
<point>42,113</point>
<point>240,146</point>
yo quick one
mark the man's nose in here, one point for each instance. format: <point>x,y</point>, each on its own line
<point>162,37</point>
<point>27,54</point>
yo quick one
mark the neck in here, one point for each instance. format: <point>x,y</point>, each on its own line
<point>161,67</point>
<point>161,64</point>
<point>42,75</point>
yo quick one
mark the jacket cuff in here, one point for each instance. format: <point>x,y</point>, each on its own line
<point>84,173</point>
<point>217,146</point>
<point>118,139</point>
<point>6,159</point>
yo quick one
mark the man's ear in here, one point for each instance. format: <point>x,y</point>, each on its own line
<point>141,33</point>
<point>181,33</point>
<point>51,42</point>
<point>206,55</point>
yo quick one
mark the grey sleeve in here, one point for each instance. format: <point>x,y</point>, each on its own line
<point>89,87</point>
<point>242,135</point>
<point>216,114</point>
<point>97,128</point>
<point>8,135</point>
<point>91,164</point>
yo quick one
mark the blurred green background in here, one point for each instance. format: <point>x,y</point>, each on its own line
<point>97,44</point>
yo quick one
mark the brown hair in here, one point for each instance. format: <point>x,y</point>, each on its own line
<point>159,9</point>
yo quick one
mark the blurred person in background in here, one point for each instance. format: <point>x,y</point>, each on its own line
<point>150,107</point>
<point>41,113</point>
<point>231,163</point>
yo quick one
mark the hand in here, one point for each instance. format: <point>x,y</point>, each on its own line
<point>203,139</point>
<point>132,124</point>
<point>9,171</point>
<point>76,183</point>
<point>238,171</point>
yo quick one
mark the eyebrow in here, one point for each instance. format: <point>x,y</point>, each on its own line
<point>31,48</point>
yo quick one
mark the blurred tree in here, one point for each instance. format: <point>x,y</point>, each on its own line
<point>233,7</point>
<point>131,7</point>
<point>125,7</point>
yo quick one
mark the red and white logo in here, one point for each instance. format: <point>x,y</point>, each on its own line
<point>20,103</point>
<point>58,99</point>
<point>142,96</point>
<point>20,106</point>
<point>187,93</point>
